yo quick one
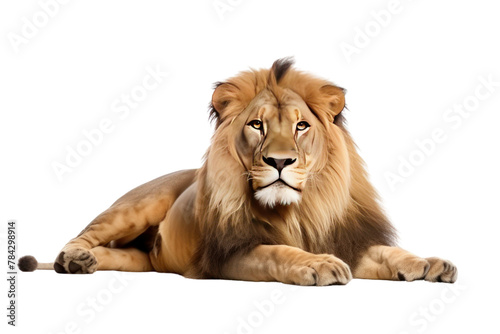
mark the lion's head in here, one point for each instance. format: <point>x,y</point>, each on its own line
<point>281,128</point>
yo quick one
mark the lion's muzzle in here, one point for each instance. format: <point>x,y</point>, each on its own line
<point>279,164</point>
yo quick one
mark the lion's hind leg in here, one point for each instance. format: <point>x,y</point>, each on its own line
<point>75,261</point>
<point>80,261</point>
<point>79,255</point>
<point>122,259</point>
<point>134,214</point>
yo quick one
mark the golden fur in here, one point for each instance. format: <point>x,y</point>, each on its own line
<point>282,195</point>
<point>336,193</point>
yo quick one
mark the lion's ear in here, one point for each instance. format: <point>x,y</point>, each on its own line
<point>224,94</point>
<point>334,97</point>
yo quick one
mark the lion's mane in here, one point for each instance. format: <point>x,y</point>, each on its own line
<point>339,212</point>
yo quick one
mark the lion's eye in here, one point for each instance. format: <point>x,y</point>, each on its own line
<point>301,126</point>
<point>256,124</point>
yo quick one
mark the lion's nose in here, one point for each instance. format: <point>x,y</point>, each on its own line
<point>279,164</point>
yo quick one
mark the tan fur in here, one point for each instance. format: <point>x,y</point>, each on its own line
<point>282,196</point>
<point>393,263</point>
<point>288,265</point>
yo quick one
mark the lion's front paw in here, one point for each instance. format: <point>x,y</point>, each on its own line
<point>411,269</point>
<point>441,271</point>
<point>319,270</point>
<point>75,261</point>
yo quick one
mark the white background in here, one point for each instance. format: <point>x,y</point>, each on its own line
<point>65,78</point>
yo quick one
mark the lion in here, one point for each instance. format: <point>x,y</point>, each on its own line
<point>282,195</point>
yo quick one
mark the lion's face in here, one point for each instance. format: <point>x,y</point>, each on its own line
<point>279,126</point>
<point>278,146</point>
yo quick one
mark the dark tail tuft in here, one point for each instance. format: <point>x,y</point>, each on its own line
<point>27,263</point>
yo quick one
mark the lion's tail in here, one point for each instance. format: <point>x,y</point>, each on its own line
<point>29,263</point>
